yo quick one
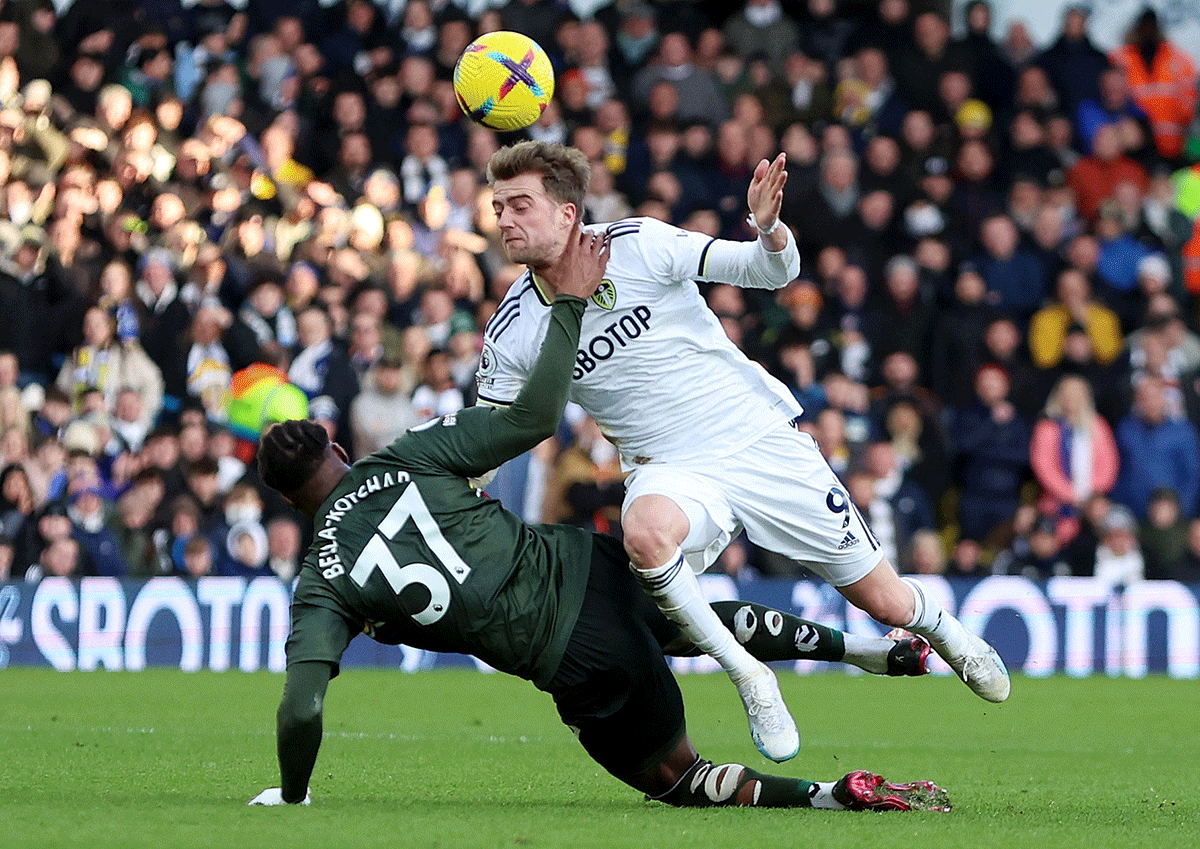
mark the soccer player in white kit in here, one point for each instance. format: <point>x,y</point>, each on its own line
<point>708,436</point>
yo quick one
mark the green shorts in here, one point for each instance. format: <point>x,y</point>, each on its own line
<point>614,686</point>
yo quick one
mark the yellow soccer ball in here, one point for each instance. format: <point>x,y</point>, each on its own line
<point>504,80</point>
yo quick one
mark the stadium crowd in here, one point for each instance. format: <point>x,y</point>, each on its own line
<point>994,335</point>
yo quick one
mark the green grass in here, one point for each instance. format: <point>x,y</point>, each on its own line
<point>460,759</point>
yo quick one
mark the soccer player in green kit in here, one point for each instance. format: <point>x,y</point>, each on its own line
<point>408,551</point>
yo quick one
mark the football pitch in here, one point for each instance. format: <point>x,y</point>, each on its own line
<point>462,759</point>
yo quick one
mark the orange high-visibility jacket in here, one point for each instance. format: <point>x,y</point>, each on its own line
<point>1166,92</point>
<point>1191,261</point>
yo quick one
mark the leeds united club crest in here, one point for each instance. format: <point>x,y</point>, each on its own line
<point>605,296</point>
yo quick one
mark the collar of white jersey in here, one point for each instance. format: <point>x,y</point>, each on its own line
<point>537,289</point>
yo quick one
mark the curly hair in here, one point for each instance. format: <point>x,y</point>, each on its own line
<point>289,454</point>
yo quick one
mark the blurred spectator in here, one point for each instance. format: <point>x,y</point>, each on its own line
<point>699,97</point>
<point>91,528</point>
<point>900,373</point>
<point>111,365</point>
<point>60,558</point>
<point>16,501</point>
<point>1095,177</point>
<point>283,547</point>
<point>823,33</point>
<point>907,320</point>
<point>799,373</point>
<point>1164,227</point>
<point>762,28</point>
<point>993,78</point>
<point>1118,559</point>
<point>957,346</point>
<point>829,430</point>
<point>919,449</point>
<point>919,67</point>
<point>1073,454</point>
<point>1072,62</point>
<point>850,398</point>
<point>855,320</point>
<point>200,478</point>
<point>861,487</point>
<point>1030,156</point>
<point>437,394</point>
<point>591,62</point>
<point>29,299</point>
<point>1120,257</point>
<point>966,560</point>
<point>587,485</point>
<point>1189,570</point>
<point>207,366</point>
<point>1116,108</point>
<point>1162,79</point>
<point>976,194</point>
<point>926,555</point>
<point>991,443</point>
<point>1014,277</point>
<point>906,504</point>
<point>1156,452</point>
<point>197,557</point>
<point>635,41</point>
<point>1074,307</point>
<point>1164,345</point>
<point>136,509</point>
<point>1041,554</point>
<point>320,367</point>
<point>246,550</point>
<point>382,412</point>
<point>1162,536</point>
<point>422,168</point>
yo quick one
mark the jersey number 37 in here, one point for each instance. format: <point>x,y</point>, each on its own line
<point>377,555</point>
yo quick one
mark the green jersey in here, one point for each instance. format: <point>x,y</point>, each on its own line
<point>405,544</point>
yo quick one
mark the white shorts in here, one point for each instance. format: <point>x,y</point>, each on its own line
<point>781,491</point>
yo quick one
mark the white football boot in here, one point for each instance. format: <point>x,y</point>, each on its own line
<point>983,671</point>
<point>771,726</point>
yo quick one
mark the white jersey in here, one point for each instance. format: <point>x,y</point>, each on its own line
<point>654,367</point>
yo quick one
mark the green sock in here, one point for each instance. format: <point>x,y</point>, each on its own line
<point>770,634</point>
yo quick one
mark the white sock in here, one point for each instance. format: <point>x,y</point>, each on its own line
<point>821,796</point>
<point>867,653</point>
<point>677,593</point>
<point>945,633</point>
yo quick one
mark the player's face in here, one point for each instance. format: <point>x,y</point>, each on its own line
<point>533,226</point>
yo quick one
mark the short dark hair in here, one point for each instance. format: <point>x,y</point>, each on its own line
<point>289,454</point>
<point>565,171</point>
<point>201,466</point>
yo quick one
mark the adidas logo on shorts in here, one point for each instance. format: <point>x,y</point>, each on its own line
<point>850,540</point>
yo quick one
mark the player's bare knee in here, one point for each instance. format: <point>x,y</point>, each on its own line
<point>653,528</point>
<point>647,542</point>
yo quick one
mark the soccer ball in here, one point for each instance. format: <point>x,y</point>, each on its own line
<point>504,80</point>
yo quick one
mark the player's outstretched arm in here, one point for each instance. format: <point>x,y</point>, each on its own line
<point>298,727</point>
<point>769,262</point>
<point>765,199</point>
<point>485,437</point>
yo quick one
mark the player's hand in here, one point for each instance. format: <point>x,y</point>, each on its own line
<point>273,796</point>
<point>765,195</point>
<point>583,264</point>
